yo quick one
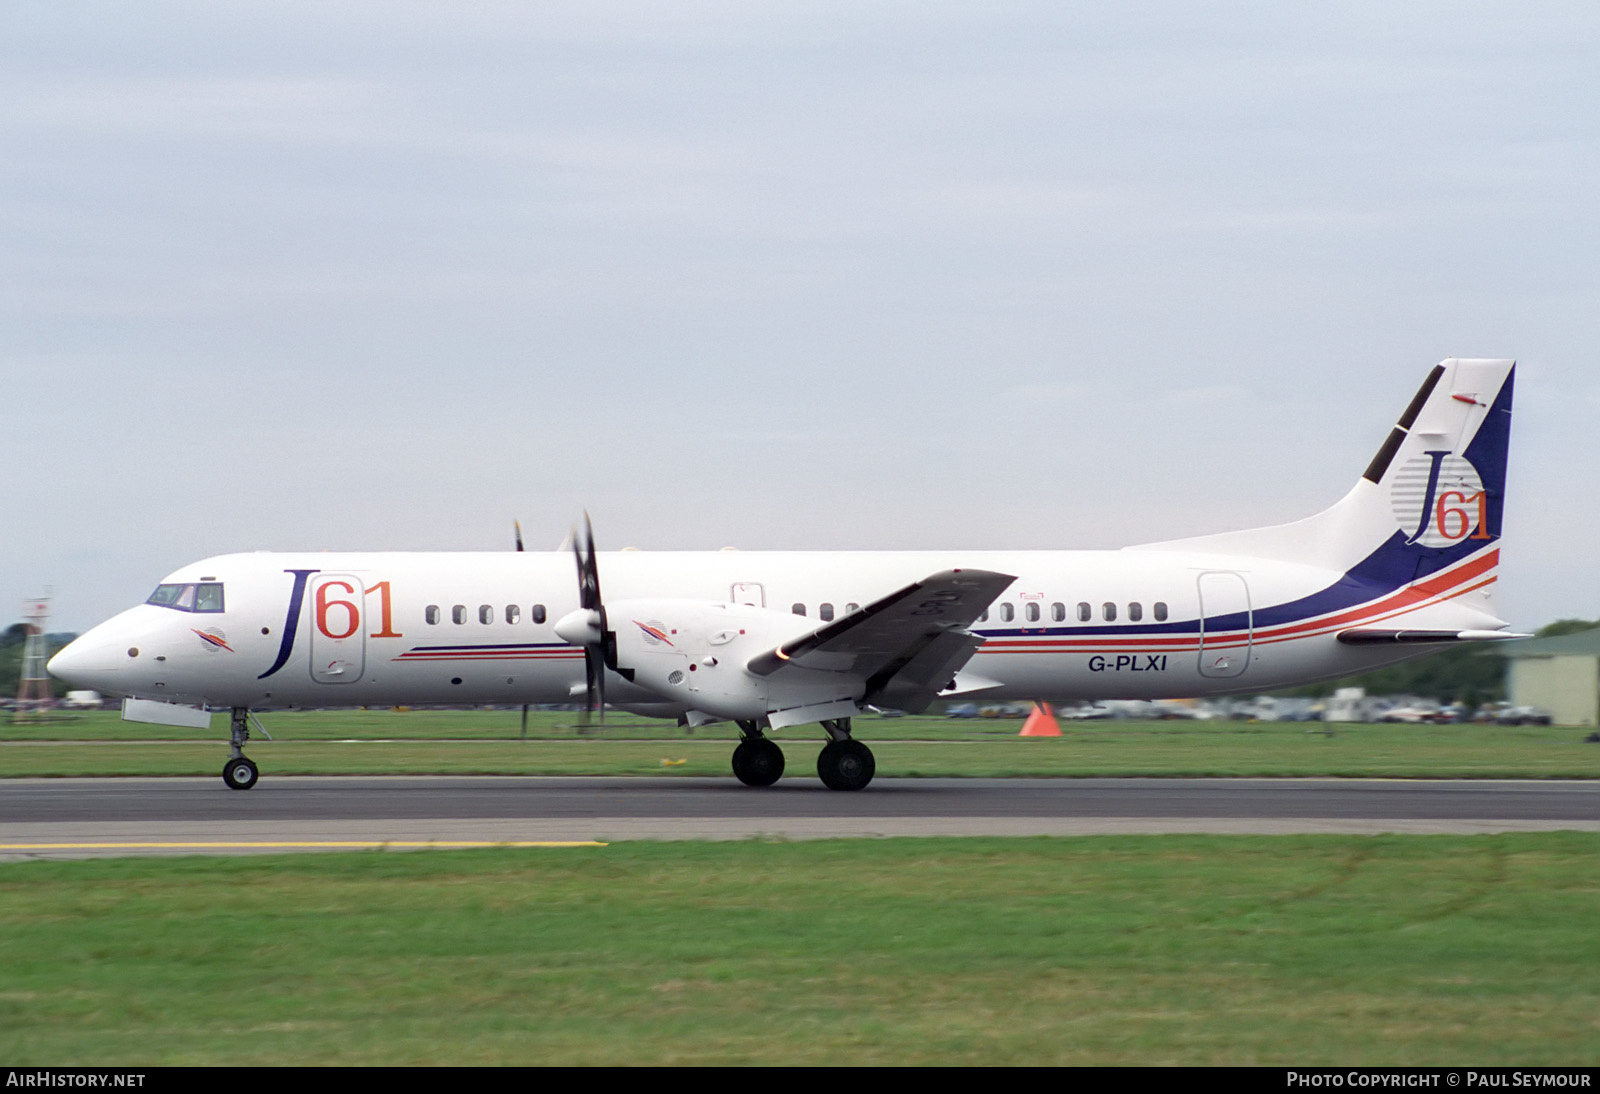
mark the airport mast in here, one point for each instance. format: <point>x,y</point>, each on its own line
<point>33,690</point>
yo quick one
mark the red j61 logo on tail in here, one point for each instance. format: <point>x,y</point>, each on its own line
<point>1439,500</point>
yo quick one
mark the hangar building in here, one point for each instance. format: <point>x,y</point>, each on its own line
<point>1560,674</point>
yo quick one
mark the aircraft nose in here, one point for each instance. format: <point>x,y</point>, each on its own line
<point>68,662</point>
<point>87,662</point>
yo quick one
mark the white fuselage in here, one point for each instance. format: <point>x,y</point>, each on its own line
<point>349,629</point>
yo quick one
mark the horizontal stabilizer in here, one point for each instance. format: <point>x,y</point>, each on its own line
<point>1373,637</point>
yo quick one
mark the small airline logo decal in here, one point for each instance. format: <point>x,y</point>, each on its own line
<point>655,632</point>
<point>1439,501</point>
<point>213,639</point>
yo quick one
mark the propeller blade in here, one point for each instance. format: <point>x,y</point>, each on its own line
<point>588,566</point>
<point>595,675</point>
<point>596,648</point>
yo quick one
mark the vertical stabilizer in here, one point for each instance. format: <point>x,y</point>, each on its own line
<point>1432,499</point>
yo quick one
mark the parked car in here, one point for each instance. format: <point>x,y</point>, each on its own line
<point>1523,716</point>
<point>1505,714</point>
<point>1087,712</point>
<point>1407,715</point>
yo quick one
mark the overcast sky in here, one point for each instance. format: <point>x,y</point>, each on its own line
<point>867,275</point>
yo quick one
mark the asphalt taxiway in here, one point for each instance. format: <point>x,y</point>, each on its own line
<point>72,817</point>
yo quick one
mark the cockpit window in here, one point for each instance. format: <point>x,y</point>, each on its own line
<point>205,597</point>
<point>166,595</point>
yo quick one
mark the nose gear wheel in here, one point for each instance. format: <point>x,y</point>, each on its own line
<point>240,773</point>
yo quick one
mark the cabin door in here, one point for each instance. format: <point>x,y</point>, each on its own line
<point>1226,624</point>
<point>338,636</point>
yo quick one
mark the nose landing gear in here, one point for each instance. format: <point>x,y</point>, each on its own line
<point>240,772</point>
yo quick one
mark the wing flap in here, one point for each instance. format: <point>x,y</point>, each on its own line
<point>912,684</point>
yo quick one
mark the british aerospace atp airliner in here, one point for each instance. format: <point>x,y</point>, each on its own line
<point>1404,564</point>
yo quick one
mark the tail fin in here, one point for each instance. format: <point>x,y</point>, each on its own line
<point>1432,498</point>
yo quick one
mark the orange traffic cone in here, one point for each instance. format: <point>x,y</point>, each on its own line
<point>1040,723</point>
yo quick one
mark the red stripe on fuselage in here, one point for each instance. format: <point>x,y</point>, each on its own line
<point>1419,594</point>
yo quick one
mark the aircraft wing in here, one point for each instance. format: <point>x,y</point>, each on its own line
<point>906,646</point>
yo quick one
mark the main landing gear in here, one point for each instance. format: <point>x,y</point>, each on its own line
<point>240,771</point>
<point>758,761</point>
<point>845,763</point>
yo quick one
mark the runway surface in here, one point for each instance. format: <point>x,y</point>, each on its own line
<point>72,817</point>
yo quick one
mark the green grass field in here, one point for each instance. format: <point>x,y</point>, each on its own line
<point>1091,950</point>
<point>487,742</point>
<point>1096,950</point>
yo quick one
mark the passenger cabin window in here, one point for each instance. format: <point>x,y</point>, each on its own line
<point>1007,613</point>
<point>486,613</point>
<point>458,614</point>
<point>1135,612</point>
<point>798,609</point>
<point>1084,613</point>
<point>983,616</point>
<point>513,613</point>
<point>1058,611</point>
<point>431,614</point>
<point>1161,611</point>
<point>825,612</point>
<point>1031,610</point>
<point>854,607</point>
<point>537,614</point>
<point>1108,612</point>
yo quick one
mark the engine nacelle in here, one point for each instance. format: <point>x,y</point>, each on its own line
<point>694,653</point>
